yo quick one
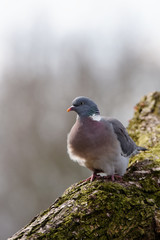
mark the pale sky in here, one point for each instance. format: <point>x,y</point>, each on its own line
<point>79,15</point>
<point>95,18</point>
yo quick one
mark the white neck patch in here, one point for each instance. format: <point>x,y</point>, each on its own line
<point>96,117</point>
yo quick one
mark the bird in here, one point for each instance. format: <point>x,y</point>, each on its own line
<point>101,144</point>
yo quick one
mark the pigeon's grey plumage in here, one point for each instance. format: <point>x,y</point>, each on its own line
<point>99,143</point>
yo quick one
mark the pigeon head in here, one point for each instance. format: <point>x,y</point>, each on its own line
<point>84,107</point>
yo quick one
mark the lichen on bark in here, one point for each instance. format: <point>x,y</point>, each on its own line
<point>129,209</point>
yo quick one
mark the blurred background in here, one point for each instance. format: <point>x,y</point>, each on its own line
<point>51,52</point>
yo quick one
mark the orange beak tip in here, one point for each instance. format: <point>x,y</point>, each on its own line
<point>69,109</point>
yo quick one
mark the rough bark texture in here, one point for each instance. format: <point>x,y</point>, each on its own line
<point>112,210</point>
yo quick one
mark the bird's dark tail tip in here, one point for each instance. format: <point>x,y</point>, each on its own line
<point>141,148</point>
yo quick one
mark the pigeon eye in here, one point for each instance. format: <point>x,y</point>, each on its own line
<point>81,103</point>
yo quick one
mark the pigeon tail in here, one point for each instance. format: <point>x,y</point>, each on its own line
<point>141,148</point>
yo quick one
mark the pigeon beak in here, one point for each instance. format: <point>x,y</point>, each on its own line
<point>70,109</point>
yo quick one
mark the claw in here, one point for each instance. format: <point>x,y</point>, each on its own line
<point>113,177</point>
<point>109,177</point>
<point>92,177</point>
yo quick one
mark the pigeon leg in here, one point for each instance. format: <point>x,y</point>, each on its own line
<point>92,177</point>
<point>113,178</point>
<point>109,177</point>
<point>118,177</point>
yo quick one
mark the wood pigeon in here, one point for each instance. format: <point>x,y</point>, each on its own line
<point>99,143</point>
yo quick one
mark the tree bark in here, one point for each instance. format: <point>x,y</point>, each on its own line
<point>129,209</point>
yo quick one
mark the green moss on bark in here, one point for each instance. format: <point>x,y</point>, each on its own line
<point>144,127</point>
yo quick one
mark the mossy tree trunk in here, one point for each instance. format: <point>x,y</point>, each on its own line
<point>112,210</point>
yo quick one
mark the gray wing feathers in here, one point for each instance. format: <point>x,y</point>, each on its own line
<point>128,146</point>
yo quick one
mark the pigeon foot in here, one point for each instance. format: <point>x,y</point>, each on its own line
<point>114,178</point>
<point>92,177</point>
